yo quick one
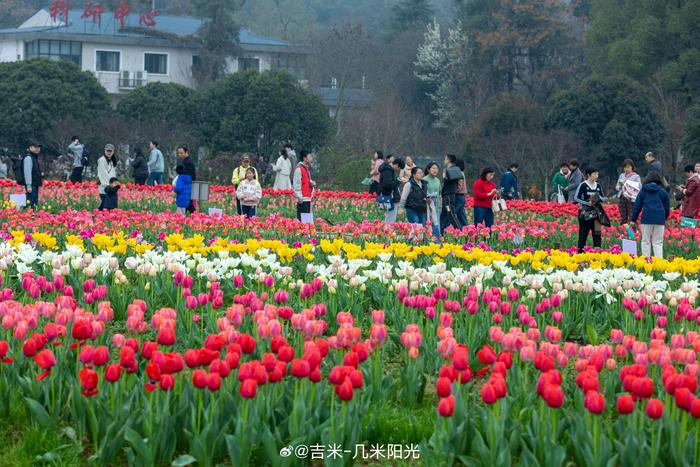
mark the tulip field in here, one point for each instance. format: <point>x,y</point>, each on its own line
<point>141,337</point>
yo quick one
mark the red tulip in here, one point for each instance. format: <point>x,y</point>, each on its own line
<point>315,376</point>
<point>46,360</point>
<point>153,371</point>
<point>351,359</point>
<point>594,402</point>
<point>166,336</point>
<point>286,353</point>
<point>200,380</point>
<point>113,372</point>
<point>300,368</point>
<point>249,388</point>
<point>444,387</point>
<point>684,398</point>
<point>29,348</point>
<point>344,390</point>
<point>460,358</point>
<point>625,404</point>
<point>82,329</point>
<point>553,395</point>
<point>4,349</point>
<point>86,354</point>
<point>655,409</point>
<point>446,406</point>
<point>214,382</point>
<point>101,356</point>
<point>695,408</point>
<point>192,358</point>
<point>166,382</point>
<point>88,379</point>
<point>488,393</point>
<point>357,379</point>
<point>486,355</point>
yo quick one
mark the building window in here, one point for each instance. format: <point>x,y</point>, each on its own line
<point>54,50</point>
<point>156,64</point>
<point>294,64</point>
<point>248,64</point>
<point>107,61</point>
<point>196,61</point>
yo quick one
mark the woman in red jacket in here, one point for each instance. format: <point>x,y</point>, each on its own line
<point>484,192</point>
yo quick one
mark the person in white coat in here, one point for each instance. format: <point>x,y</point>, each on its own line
<point>283,170</point>
<point>106,170</point>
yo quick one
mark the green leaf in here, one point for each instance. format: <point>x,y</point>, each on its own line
<point>39,413</point>
<point>140,446</point>
<point>183,460</point>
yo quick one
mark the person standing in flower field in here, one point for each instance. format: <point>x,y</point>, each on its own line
<point>461,196</point>
<point>249,193</point>
<point>238,176</point>
<point>111,200</point>
<point>691,193</point>
<point>559,183</point>
<point>414,198</point>
<point>628,185</point>
<point>433,185</point>
<point>589,195</point>
<point>377,161</point>
<point>303,185</point>
<point>575,179</point>
<point>106,171</point>
<point>405,174</point>
<point>292,154</point>
<point>139,167</point>
<point>183,153</point>
<point>485,192</point>
<point>156,165</point>
<point>655,207</point>
<point>509,183</point>
<point>76,149</point>
<point>450,183</point>
<point>283,171</point>
<point>183,189</point>
<point>389,186</point>
<point>32,177</point>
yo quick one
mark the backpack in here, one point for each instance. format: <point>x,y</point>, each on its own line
<point>18,169</point>
<point>85,160</point>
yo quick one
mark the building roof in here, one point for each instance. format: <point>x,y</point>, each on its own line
<point>184,27</point>
<point>331,97</point>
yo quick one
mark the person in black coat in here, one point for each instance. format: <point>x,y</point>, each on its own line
<point>140,167</point>
<point>389,186</point>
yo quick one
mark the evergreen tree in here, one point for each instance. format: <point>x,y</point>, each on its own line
<point>218,36</point>
<point>411,13</point>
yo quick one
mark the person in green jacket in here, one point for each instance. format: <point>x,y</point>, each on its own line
<point>560,182</point>
<point>434,184</point>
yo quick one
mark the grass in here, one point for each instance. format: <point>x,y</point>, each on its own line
<point>25,444</point>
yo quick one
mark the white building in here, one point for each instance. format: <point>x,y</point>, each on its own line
<point>125,58</point>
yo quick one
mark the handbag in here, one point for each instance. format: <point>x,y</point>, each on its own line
<point>385,202</point>
<point>589,213</point>
<point>560,196</point>
<point>498,205</point>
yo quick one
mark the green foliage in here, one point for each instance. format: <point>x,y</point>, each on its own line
<point>614,119</point>
<point>511,114</point>
<point>258,112</point>
<point>525,45</point>
<point>158,102</point>
<point>691,141</point>
<point>640,39</point>
<point>218,36</point>
<point>411,13</point>
<point>37,93</point>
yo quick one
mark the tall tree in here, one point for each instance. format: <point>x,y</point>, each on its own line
<point>525,45</point>
<point>37,93</point>
<point>411,13</point>
<point>615,120</point>
<point>258,112</point>
<point>219,36</point>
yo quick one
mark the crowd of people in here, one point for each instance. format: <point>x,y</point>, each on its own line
<point>432,195</point>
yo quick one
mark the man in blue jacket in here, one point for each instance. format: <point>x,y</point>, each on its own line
<point>655,206</point>
<point>509,183</point>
